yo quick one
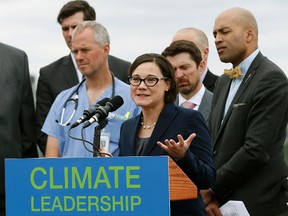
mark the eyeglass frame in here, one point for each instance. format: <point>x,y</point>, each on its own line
<point>144,80</point>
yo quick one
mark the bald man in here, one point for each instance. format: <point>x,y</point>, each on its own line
<point>198,37</point>
<point>248,122</point>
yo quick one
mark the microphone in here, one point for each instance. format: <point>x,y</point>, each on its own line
<point>88,113</point>
<point>103,111</point>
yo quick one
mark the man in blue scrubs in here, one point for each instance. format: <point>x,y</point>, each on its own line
<point>90,46</point>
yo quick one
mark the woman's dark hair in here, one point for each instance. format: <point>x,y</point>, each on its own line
<point>166,70</point>
<point>76,6</point>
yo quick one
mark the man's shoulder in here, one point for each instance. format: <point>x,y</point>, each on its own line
<point>122,88</point>
<point>210,80</point>
<point>206,101</point>
<point>66,93</point>
<point>115,60</point>
<point>58,63</point>
<point>120,83</point>
<point>263,68</point>
<point>10,50</point>
<point>208,93</point>
<point>183,113</point>
<point>265,64</point>
<point>210,75</point>
<point>119,67</point>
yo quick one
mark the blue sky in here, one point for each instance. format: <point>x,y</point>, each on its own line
<point>138,26</point>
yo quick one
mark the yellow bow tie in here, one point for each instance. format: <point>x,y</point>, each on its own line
<point>233,73</point>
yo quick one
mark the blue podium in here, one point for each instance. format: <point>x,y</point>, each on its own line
<point>94,186</point>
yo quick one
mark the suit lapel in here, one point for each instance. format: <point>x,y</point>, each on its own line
<point>244,85</point>
<point>221,99</point>
<point>205,105</point>
<point>133,128</point>
<point>69,72</point>
<point>1,63</point>
<point>177,100</point>
<point>164,121</point>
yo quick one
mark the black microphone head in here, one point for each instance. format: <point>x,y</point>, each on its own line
<point>115,103</point>
<point>102,111</point>
<point>103,102</point>
<point>89,112</point>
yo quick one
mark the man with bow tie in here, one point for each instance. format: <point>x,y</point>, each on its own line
<point>188,64</point>
<point>248,122</point>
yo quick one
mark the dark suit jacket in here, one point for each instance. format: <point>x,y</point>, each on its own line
<point>197,164</point>
<point>205,105</point>
<point>210,80</point>
<point>17,113</point>
<point>248,145</point>
<point>61,75</point>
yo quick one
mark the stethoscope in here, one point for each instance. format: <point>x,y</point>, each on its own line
<point>73,98</point>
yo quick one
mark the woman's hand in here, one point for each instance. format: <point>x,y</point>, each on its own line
<point>177,150</point>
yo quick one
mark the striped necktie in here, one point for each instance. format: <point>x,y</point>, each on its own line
<point>188,105</point>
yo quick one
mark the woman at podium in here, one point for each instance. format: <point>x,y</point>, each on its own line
<point>162,128</point>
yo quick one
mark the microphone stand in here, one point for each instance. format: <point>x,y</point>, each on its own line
<point>97,135</point>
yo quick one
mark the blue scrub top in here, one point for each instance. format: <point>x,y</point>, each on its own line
<point>70,147</point>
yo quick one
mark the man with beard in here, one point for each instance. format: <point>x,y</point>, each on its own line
<point>200,39</point>
<point>187,62</point>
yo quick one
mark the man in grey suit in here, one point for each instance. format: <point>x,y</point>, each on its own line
<point>200,39</point>
<point>187,62</point>
<point>248,122</point>
<point>17,117</point>
<point>63,73</point>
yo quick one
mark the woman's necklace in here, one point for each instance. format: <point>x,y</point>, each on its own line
<point>147,126</point>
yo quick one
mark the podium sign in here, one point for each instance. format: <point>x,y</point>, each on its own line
<point>87,186</point>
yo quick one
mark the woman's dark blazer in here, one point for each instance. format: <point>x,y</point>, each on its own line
<point>197,164</point>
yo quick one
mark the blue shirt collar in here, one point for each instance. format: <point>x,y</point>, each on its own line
<point>244,65</point>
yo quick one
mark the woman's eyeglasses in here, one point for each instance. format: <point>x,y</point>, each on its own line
<point>148,81</point>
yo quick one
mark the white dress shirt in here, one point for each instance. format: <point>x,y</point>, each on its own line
<point>244,66</point>
<point>79,74</point>
<point>196,99</point>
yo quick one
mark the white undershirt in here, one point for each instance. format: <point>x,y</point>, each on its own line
<point>79,74</point>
